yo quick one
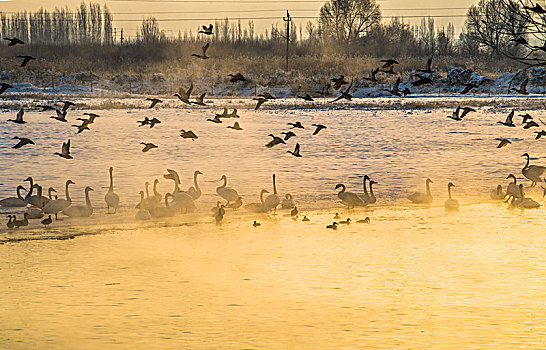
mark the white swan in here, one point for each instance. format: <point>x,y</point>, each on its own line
<point>497,194</point>
<point>228,193</point>
<point>372,199</point>
<point>195,191</point>
<point>257,207</point>
<point>157,197</point>
<point>350,199</point>
<point>273,200</point>
<point>288,202</point>
<point>162,212</point>
<point>451,204</point>
<point>513,189</point>
<point>81,211</point>
<point>420,197</point>
<point>14,202</point>
<point>532,172</point>
<point>524,202</point>
<point>111,198</point>
<point>57,205</point>
<point>37,200</point>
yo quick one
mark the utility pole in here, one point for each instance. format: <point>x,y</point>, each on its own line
<point>287,19</point>
<point>121,36</point>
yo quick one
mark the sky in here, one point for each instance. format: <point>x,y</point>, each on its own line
<point>205,11</point>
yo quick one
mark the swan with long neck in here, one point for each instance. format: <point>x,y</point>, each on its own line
<point>350,199</point>
<point>451,204</point>
<point>37,200</point>
<point>366,196</point>
<point>420,197</point>
<point>157,197</point>
<point>111,198</point>
<point>372,199</point>
<point>257,207</point>
<point>228,193</point>
<point>31,190</point>
<point>513,189</point>
<point>15,202</point>
<point>195,191</point>
<point>81,211</point>
<point>57,205</point>
<point>273,200</point>
<point>532,172</point>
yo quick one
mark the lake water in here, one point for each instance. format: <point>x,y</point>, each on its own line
<point>415,277</point>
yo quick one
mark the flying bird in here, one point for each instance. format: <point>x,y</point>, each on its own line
<point>523,87</point>
<point>207,30</point>
<point>296,152</point>
<point>66,105</point>
<point>200,100</point>
<point>4,87</point>
<point>540,134</point>
<point>188,134</point>
<point>22,142</point>
<point>339,81</point>
<point>296,125</point>
<point>526,117</point>
<point>237,77</point>
<point>318,127</point>
<point>65,150</point>
<point>388,64</point>
<point>204,51</point>
<point>395,90</point>
<point>154,121</point>
<point>260,102</point>
<point>503,142</point>
<point>26,60</point>
<point>267,95</point>
<point>235,126</point>
<point>216,120</point>
<point>154,101</point>
<point>422,81</point>
<point>288,135</point>
<point>276,141</point>
<point>14,41</point>
<point>61,116</point>
<point>428,68</point>
<point>184,95</point>
<point>345,94</point>
<point>468,88</point>
<point>146,121</point>
<point>19,118</point>
<point>509,121</point>
<point>531,124</point>
<point>147,146</point>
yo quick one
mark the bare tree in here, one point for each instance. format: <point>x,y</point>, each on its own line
<point>347,20</point>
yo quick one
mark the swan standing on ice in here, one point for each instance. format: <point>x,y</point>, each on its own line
<point>257,207</point>
<point>14,202</point>
<point>111,198</point>
<point>349,198</point>
<point>57,205</point>
<point>451,204</point>
<point>420,197</point>
<point>272,201</point>
<point>195,191</point>
<point>228,193</point>
<point>372,199</point>
<point>532,172</point>
<point>81,211</point>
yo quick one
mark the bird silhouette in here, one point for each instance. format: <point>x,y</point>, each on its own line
<point>204,52</point>
<point>339,81</point>
<point>296,125</point>
<point>145,121</point>
<point>318,128</point>
<point>200,100</point>
<point>526,117</point>
<point>428,68</point>
<point>523,87</point>
<point>288,135</point>
<point>66,105</point>
<point>207,30</point>
<point>531,124</point>
<point>540,134</point>
<point>4,87</point>
<point>216,120</point>
<point>154,101</point>
<point>188,134</point>
<point>395,90</point>
<point>14,41</point>
<point>468,88</point>
<point>235,126</point>
<point>61,116</point>
<point>388,64</point>
<point>22,141</point>
<point>276,141</point>
<point>26,60</point>
<point>509,121</point>
<point>19,118</point>
<point>154,121</point>
<point>148,146</point>
<point>296,152</point>
<point>260,102</point>
<point>503,142</point>
<point>184,95</point>
<point>65,150</point>
<point>237,77</point>
<point>422,81</point>
<point>345,94</point>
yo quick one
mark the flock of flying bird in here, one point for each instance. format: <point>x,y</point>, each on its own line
<point>180,201</point>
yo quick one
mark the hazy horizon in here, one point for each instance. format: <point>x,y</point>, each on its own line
<point>135,11</point>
